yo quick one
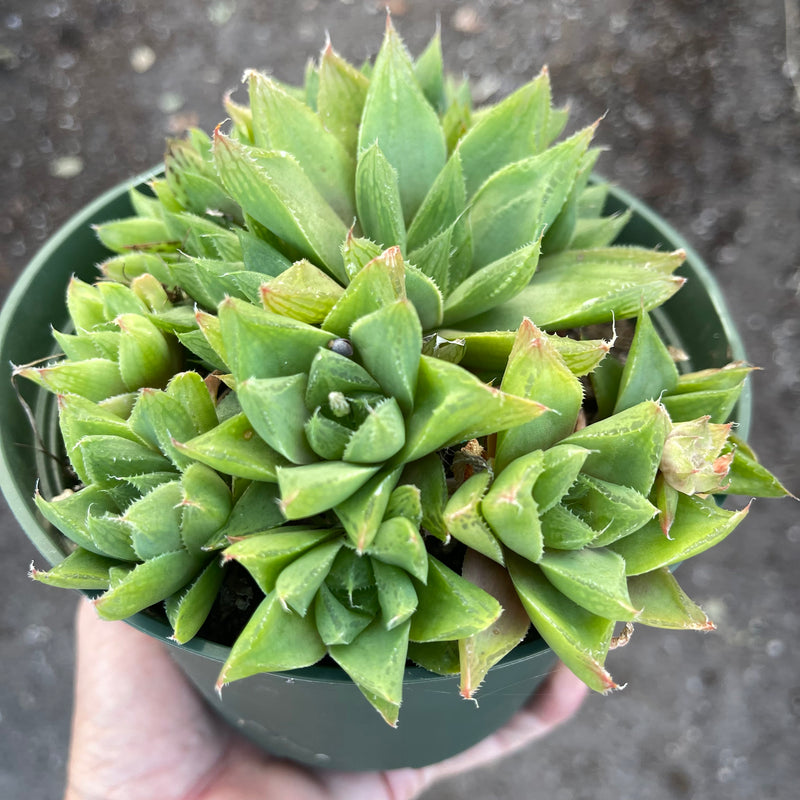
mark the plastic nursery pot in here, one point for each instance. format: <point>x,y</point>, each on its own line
<point>315,715</point>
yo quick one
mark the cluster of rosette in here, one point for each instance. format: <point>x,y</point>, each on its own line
<point>366,419</point>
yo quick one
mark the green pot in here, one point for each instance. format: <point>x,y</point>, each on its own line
<point>316,715</point>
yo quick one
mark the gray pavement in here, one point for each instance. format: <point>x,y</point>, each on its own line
<point>702,120</point>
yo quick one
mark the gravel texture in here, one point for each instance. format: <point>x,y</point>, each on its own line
<point>702,121</point>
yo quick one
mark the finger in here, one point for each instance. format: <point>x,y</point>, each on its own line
<point>137,722</point>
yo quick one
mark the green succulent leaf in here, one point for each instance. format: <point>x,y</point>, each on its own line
<point>389,341</point>
<point>136,233</point>
<point>302,292</point>
<point>376,661</point>
<point>398,543</point>
<point>492,284</point>
<point>299,582</point>
<point>85,305</point>
<point>396,594</point>
<point>94,378</point>
<point>157,419</point>
<point>377,284</point>
<point>280,122</point>
<point>406,501</point>
<point>564,530</point>
<point>666,500</point>
<point>340,98</point>
<point>197,344</point>
<point>265,555</point>
<point>276,410</point>
<point>514,206</point>
<point>599,232</point>
<point>594,579</point>
<point>537,372</point>
<point>149,289</point>
<point>332,372</point>
<point>424,294</point>
<point>242,119</point>
<point>433,259</point>
<point>108,459</point>
<point>559,234</point>
<point>664,604</point>
<point>379,436</point>
<point>188,609</point>
<point>450,607</point>
<point>612,510</point>
<point>272,187</point>
<point>443,205</point>
<point>649,369</point>
<point>466,523</point>
<point>747,476</point>
<point>514,129</point>
<point>699,524</point>
<point>192,182</point>
<point>155,521</point>
<point>350,575</point>
<point>578,637</point>
<point>81,569</point>
<point>427,474</point>
<point>510,509</point>
<point>260,344</point>
<point>259,255</point>
<point>357,252</point>
<point>606,381</point>
<point>439,657</point>
<point>429,70</point>
<point>111,534</point>
<point>273,640</point>
<point>327,437</point>
<point>206,280</point>
<point>592,201</point>
<point>79,417</point>
<point>378,198</point>
<point>562,463</point>
<point>191,392</point>
<point>395,101</point>
<point>451,405</point>
<point>489,350</point>
<point>336,622</point>
<point>730,376</point>
<point>584,287</point>
<point>234,448</point>
<point>101,344</point>
<point>711,392</point>
<point>256,509</point>
<point>146,584</point>
<point>206,505</point>
<point>362,511</point>
<point>312,488</point>
<point>626,448</point>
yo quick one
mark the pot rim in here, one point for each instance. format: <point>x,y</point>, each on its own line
<point>28,520</point>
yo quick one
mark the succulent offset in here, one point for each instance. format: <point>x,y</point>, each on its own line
<point>342,346</point>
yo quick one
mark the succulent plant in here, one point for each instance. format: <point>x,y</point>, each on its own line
<point>343,346</point>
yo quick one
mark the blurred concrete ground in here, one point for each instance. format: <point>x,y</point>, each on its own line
<point>702,121</point>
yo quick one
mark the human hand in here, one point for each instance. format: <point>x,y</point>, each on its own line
<point>140,730</point>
